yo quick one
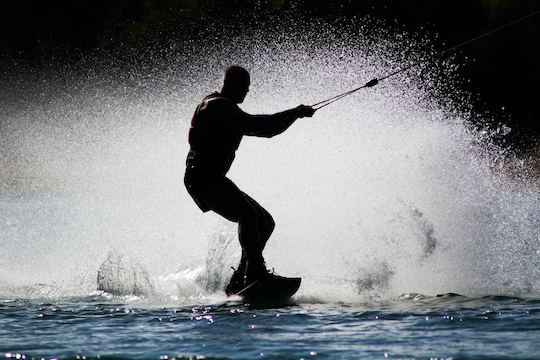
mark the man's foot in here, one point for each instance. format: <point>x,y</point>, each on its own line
<point>237,281</point>
<point>271,274</point>
<point>241,279</point>
<point>259,272</point>
<point>255,271</point>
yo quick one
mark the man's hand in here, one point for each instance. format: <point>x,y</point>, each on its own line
<point>304,111</point>
<point>372,83</point>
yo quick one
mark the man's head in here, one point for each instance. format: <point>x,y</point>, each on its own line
<point>235,83</point>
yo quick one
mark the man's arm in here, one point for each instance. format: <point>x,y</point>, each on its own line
<point>272,125</point>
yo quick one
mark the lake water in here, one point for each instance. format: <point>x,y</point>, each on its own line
<point>410,327</point>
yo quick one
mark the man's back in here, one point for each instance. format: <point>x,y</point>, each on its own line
<point>214,135</point>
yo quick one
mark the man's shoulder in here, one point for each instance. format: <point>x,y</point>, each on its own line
<point>212,96</point>
<point>215,101</point>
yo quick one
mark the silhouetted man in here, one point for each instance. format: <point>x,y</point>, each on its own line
<point>217,127</point>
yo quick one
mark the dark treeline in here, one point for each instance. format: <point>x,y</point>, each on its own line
<point>505,71</point>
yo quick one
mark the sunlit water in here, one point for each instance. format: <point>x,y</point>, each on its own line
<point>385,193</point>
<point>410,327</point>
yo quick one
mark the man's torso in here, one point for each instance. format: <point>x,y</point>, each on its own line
<point>213,136</point>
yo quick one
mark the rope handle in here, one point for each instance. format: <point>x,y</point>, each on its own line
<point>327,102</point>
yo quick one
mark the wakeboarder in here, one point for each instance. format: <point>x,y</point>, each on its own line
<point>216,130</point>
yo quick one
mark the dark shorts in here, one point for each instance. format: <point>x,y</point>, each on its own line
<point>197,185</point>
<point>223,197</point>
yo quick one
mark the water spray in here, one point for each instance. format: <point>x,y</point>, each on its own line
<point>415,207</point>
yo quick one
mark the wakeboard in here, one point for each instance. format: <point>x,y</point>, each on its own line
<point>271,290</point>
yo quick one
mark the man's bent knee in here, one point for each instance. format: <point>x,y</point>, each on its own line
<point>248,215</point>
<point>266,226</point>
<point>268,223</point>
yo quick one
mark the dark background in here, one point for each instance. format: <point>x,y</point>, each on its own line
<point>503,76</point>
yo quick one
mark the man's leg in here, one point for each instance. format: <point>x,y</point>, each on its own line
<point>265,226</point>
<point>230,202</point>
<point>265,222</point>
